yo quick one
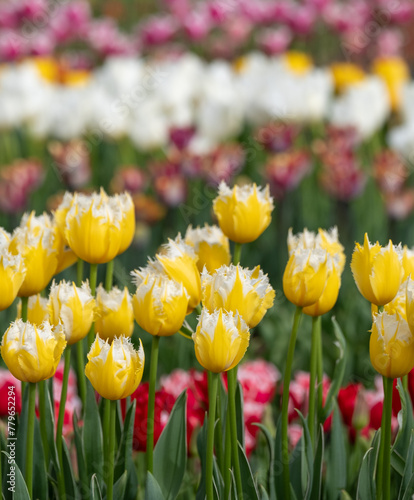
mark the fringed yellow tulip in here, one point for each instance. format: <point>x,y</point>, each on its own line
<point>298,62</point>
<point>377,271</point>
<point>73,307</point>
<point>236,289</point>
<point>346,74</point>
<point>94,226</point>
<point>114,313</point>
<point>243,212</point>
<point>160,305</point>
<point>115,370</point>
<point>35,240</point>
<point>220,340</point>
<point>305,276</point>
<point>395,72</point>
<point>409,303</point>
<point>210,245</point>
<point>391,346</point>
<point>329,295</point>
<point>408,262</point>
<point>37,310</point>
<point>32,353</point>
<point>12,274</point>
<point>128,220</point>
<point>178,262</point>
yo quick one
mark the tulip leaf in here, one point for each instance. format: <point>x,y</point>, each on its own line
<point>248,483</point>
<point>152,489</point>
<point>269,440</point>
<point>397,462</point>
<point>40,488</point>
<point>278,463</point>
<point>306,458</point>
<point>240,414</point>
<point>408,470</point>
<point>406,421</point>
<point>202,449</point>
<point>120,486</point>
<point>409,490</point>
<point>20,491</point>
<point>80,456</point>
<point>170,453</point>
<point>124,462</point>
<point>318,466</point>
<point>337,460</point>
<point>366,481</point>
<point>95,488</point>
<point>70,483</point>
<point>92,436</point>
<point>50,427</point>
<point>21,435</point>
<point>339,371</point>
<point>263,493</point>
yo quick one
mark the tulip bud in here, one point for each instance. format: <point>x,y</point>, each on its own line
<point>210,245</point>
<point>115,370</point>
<point>94,226</point>
<point>36,242</point>
<point>243,212</point>
<point>237,289</point>
<point>32,353</point>
<point>220,340</point>
<point>305,276</point>
<point>114,314</point>
<point>329,295</point>
<point>391,346</point>
<point>377,271</point>
<point>160,305</point>
<point>37,310</point>
<point>73,307</point>
<point>12,274</point>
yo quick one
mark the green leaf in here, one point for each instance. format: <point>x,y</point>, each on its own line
<point>408,470</point>
<point>70,483</point>
<point>40,486</point>
<point>263,493</point>
<point>306,458</point>
<point>366,480</point>
<point>120,486</point>
<point>249,484</point>
<point>406,420</point>
<point>337,464</point>
<point>202,449</point>
<point>21,435</point>
<point>318,466</point>
<point>50,428</point>
<point>152,489</point>
<point>84,484</point>
<point>240,414</point>
<point>92,436</point>
<point>339,371</point>
<point>269,440</point>
<point>278,462</point>
<point>397,462</point>
<point>95,488</point>
<point>170,453</point>
<point>344,495</point>
<point>20,491</point>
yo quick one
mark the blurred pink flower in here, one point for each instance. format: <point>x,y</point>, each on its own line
<point>284,171</point>
<point>389,43</point>
<point>390,171</point>
<point>299,393</point>
<point>9,383</point>
<point>223,163</point>
<point>259,380</point>
<point>32,10</point>
<point>277,136</point>
<point>158,30</point>
<point>72,161</point>
<point>302,19</point>
<point>399,205</point>
<point>197,25</point>
<point>12,45</point>
<point>71,21</point>
<point>105,38</point>
<point>169,183</point>
<point>130,178</point>
<point>181,136</point>
<point>274,41</point>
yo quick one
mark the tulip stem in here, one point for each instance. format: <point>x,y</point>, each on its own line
<point>232,382</point>
<point>212,398</point>
<point>81,371</point>
<point>185,335</point>
<point>109,275</point>
<point>316,325</point>
<point>319,366</point>
<point>219,430</point>
<point>59,429</point>
<point>151,402</point>
<point>42,420</point>
<point>30,438</point>
<point>227,455</point>
<point>386,437</point>
<point>237,253</point>
<point>79,272</point>
<point>25,301</point>
<point>404,381</point>
<point>92,283</point>
<point>106,425</point>
<point>285,402</point>
<point>111,452</point>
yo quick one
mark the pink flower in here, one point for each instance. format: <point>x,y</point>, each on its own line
<point>258,379</point>
<point>389,43</point>
<point>169,183</point>
<point>299,393</point>
<point>130,178</point>
<point>294,434</point>
<point>197,25</point>
<point>302,19</point>
<point>72,161</point>
<point>274,41</point>
<point>9,393</point>
<point>12,45</point>
<point>158,30</point>
<point>71,21</point>
<point>399,205</point>
<point>390,171</point>
<point>223,163</point>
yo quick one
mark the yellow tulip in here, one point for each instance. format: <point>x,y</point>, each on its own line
<point>160,304</point>
<point>35,240</point>
<point>220,340</point>
<point>398,305</point>
<point>395,72</point>
<point>73,307</point>
<point>377,271</point>
<point>61,212</point>
<point>409,303</point>
<point>298,62</point>
<point>346,74</point>
<point>329,295</point>
<point>210,245</point>
<point>305,276</point>
<point>243,212</point>
<point>236,289</point>
<point>178,262</point>
<point>408,262</point>
<point>391,346</point>
<point>94,226</point>
<point>32,353</point>
<point>114,314</point>
<point>37,310</point>
<point>128,220</point>
<point>12,274</point>
<point>115,370</point>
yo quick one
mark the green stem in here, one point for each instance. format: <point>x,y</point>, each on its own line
<point>319,367</point>
<point>111,452</point>
<point>59,429</point>
<point>25,301</point>
<point>109,275</point>
<point>81,371</point>
<point>42,420</point>
<point>404,381</point>
<point>30,438</point>
<point>151,403</point>
<point>213,380</point>
<point>237,253</point>
<point>185,335</point>
<point>316,322</point>
<point>232,382</point>
<point>227,455</point>
<point>198,309</point>
<point>386,434</point>
<point>106,424</point>
<point>285,402</point>
<point>219,430</point>
<point>92,283</point>
<point>79,272</point>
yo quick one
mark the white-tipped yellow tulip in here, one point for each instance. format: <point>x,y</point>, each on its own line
<point>12,274</point>
<point>37,310</point>
<point>32,353</point>
<point>128,220</point>
<point>115,370</point>
<point>114,313</point>
<point>210,245</point>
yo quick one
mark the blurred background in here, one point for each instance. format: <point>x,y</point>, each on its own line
<point>165,99</point>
